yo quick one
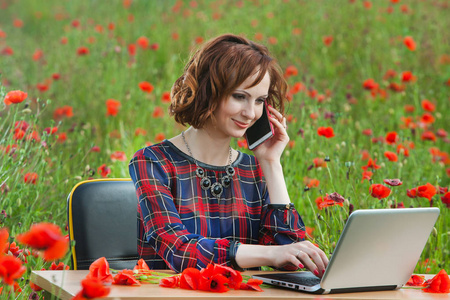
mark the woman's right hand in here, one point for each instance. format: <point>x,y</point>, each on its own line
<point>302,254</point>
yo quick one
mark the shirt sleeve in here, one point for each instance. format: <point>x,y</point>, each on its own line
<point>281,224</point>
<point>164,230</point>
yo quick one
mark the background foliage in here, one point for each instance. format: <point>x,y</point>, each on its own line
<point>79,54</point>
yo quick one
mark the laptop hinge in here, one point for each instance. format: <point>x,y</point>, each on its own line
<point>325,291</point>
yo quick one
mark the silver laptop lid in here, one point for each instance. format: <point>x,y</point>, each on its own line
<point>379,247</point>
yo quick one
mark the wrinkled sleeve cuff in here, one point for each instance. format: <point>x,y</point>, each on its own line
<point>233,249</point>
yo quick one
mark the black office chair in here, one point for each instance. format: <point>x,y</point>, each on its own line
<point>102,222</point>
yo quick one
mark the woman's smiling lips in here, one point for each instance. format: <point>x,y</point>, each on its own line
<point>241,124</point>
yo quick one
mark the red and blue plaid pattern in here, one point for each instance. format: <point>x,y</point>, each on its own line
<point>180,225</point>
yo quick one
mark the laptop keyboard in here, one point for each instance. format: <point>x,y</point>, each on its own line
<point>301,278</point>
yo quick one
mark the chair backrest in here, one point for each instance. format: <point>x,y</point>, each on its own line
<point>102,222</point>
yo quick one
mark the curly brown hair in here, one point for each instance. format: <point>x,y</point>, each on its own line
<point>215,70</point>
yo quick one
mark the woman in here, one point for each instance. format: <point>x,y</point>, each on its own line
<point>200,201</point>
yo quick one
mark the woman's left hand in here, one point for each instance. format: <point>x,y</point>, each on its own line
<point>272,149</point>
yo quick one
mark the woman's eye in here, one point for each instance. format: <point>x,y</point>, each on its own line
<point>239,96</point>
<point>260,101</point>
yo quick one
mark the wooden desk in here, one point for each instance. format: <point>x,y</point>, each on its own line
<point>65,284</point>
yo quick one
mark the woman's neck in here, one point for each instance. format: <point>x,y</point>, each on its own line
<point>207,148</point>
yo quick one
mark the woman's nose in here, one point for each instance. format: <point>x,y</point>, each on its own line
<point>249,111</point>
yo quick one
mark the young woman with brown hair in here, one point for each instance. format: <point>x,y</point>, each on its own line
<point>200,200</point>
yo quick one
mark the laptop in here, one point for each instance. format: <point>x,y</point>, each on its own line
<point>377,250</point>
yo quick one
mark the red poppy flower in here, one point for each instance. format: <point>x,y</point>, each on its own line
<point>409,108</point>
<point>442,190</point>
<point>142,42</point>
<point>366,175</point>
<point>118,156</point>
<point>65,111</point>
<point>402,150</point>
<point>427,118</point>
<point>242,143</point>
<point>154,46</point>
<point>393,86</point>
<point>326,132</point>
<point>379,191</point>
<point>426,191</point>
<point>389,74</point>
<point>38,54</point>
<point>165,97</point>
<point>428,136</point>
<point>311,182</point>
<point>367,132</point>
<point>43,87</point>
<point>252,284</point>
<point>439,283</point>
<point>4,236</point>
<point>372,164</point>
<point>234,277</point>
<point>416,280</point>
<point>7,51</point>
<point>319,162</point>
<point>59,266</point>
<point>82,51</point>
<point>327,40</point>
<point>215,284</point>
<point>408,76</point>
<point>428,105</point>
<point>160,137</point>
<point>100,269</point>
<point>190,278</point>
<point>446,199</point>
<point>34,287</point>
<point>370,84</point>
<point>323,202</point>
<point>30,178</point>
<point>51,130</point>
<point>125,277</point>
<point>11,268</point>
<point>146,86</point>
<point>46,237</point>
<point>92,288</point>
<point>62,137</point>
<point>441,133</point>
<point>141,265</point>
<point>15,97</point>
<point>170,282</point>
<point>409,43</point>
<point>56,76</point>
<point>33,136</point>
<point>391,156</point>
<point>412,193</point>
<point>158,112</point>
<point>112,107</point>
<point>393,182</point>
<point>290,71</point>
<point>391,137</point>
<point>140,131</point>
<point>132,49</point>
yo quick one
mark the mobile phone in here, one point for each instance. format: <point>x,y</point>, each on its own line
<point>260,131</point>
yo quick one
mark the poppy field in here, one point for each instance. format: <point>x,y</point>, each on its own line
<point>85,84</point>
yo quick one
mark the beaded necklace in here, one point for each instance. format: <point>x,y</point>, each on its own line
<point>216,188</point>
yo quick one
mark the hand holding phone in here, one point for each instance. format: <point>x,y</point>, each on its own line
<point>260,131</point>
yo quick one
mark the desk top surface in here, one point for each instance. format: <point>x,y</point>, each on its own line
<point>66,284</point>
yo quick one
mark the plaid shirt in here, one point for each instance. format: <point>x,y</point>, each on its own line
<point>180,225</point>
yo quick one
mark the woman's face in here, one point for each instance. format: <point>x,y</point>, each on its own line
<point>242,108</point>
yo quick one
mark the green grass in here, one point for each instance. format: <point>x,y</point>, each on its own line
<point>366,44</point>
